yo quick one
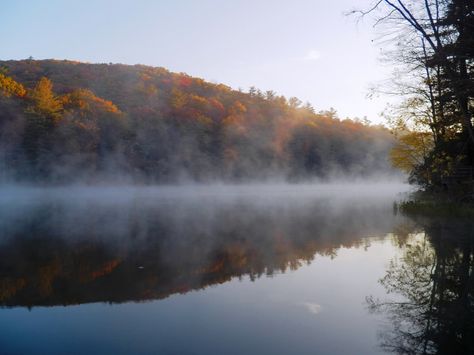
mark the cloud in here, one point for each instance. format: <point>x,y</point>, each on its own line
<point>312,55</point>
<point>312,307</point>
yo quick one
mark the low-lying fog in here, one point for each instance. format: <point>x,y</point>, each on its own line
<point>175,237</point>
<point>114,193</point>
<point>73,210</point>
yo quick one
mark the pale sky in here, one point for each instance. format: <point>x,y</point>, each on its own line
<point>303,48</point>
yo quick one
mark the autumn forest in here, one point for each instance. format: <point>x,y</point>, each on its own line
<point>64,121</point>
<point>237,177</point>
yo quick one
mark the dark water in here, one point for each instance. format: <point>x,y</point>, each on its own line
<point>230,270</point>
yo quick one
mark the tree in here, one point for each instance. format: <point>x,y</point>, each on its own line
<point>433,41</point>
<point>411,150</point>
<point>106,120</point>
<point>432,281</point>
<point>43,114</point>
<point>9,87</point>
<point>12,125</point>
<point>45,102</point>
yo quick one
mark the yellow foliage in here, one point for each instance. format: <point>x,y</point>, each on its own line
<point>237,108</point>
<point>145,88</point>
<point>411,150</point>
<point>45,101</point>
<point>178,99</point>
<point>9,87</point>
<point>198,102</point>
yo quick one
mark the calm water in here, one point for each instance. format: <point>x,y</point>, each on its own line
<point>230,270</point>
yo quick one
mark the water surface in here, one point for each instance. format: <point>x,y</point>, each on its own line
<point>224,270</point>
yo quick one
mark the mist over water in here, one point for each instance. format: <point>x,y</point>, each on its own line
<point>230,259</point>
<point>194,225</point>
<point>71,210</point>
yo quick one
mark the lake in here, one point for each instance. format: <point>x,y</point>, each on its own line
<point>269,269</point>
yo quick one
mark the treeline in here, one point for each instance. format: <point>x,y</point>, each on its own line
<point>63,121</point>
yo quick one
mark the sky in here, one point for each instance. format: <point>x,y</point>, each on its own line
<point>304,48</point>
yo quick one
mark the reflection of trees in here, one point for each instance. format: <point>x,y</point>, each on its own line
<point>63,255</point>
<point>434,308</point>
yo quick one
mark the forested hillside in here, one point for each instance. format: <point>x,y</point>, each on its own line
<point>64,121</point>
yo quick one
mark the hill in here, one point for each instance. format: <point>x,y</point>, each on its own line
<point>65,121</point>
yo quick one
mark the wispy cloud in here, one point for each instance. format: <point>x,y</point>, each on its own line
<point>312,55</point>
<point>312,307</point>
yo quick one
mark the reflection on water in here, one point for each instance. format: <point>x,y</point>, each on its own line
<point>77,247</point>
<point>431,284</point>
<point>275,270</point>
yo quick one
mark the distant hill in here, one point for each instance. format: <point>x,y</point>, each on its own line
<point>65,121</point>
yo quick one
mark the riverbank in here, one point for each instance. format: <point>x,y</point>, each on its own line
<point>431,204</point>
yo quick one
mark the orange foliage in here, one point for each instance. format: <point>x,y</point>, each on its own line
<point>172,124</point>
<point>107,268</point>
<point>216,104</point>
<point>86,101</point>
